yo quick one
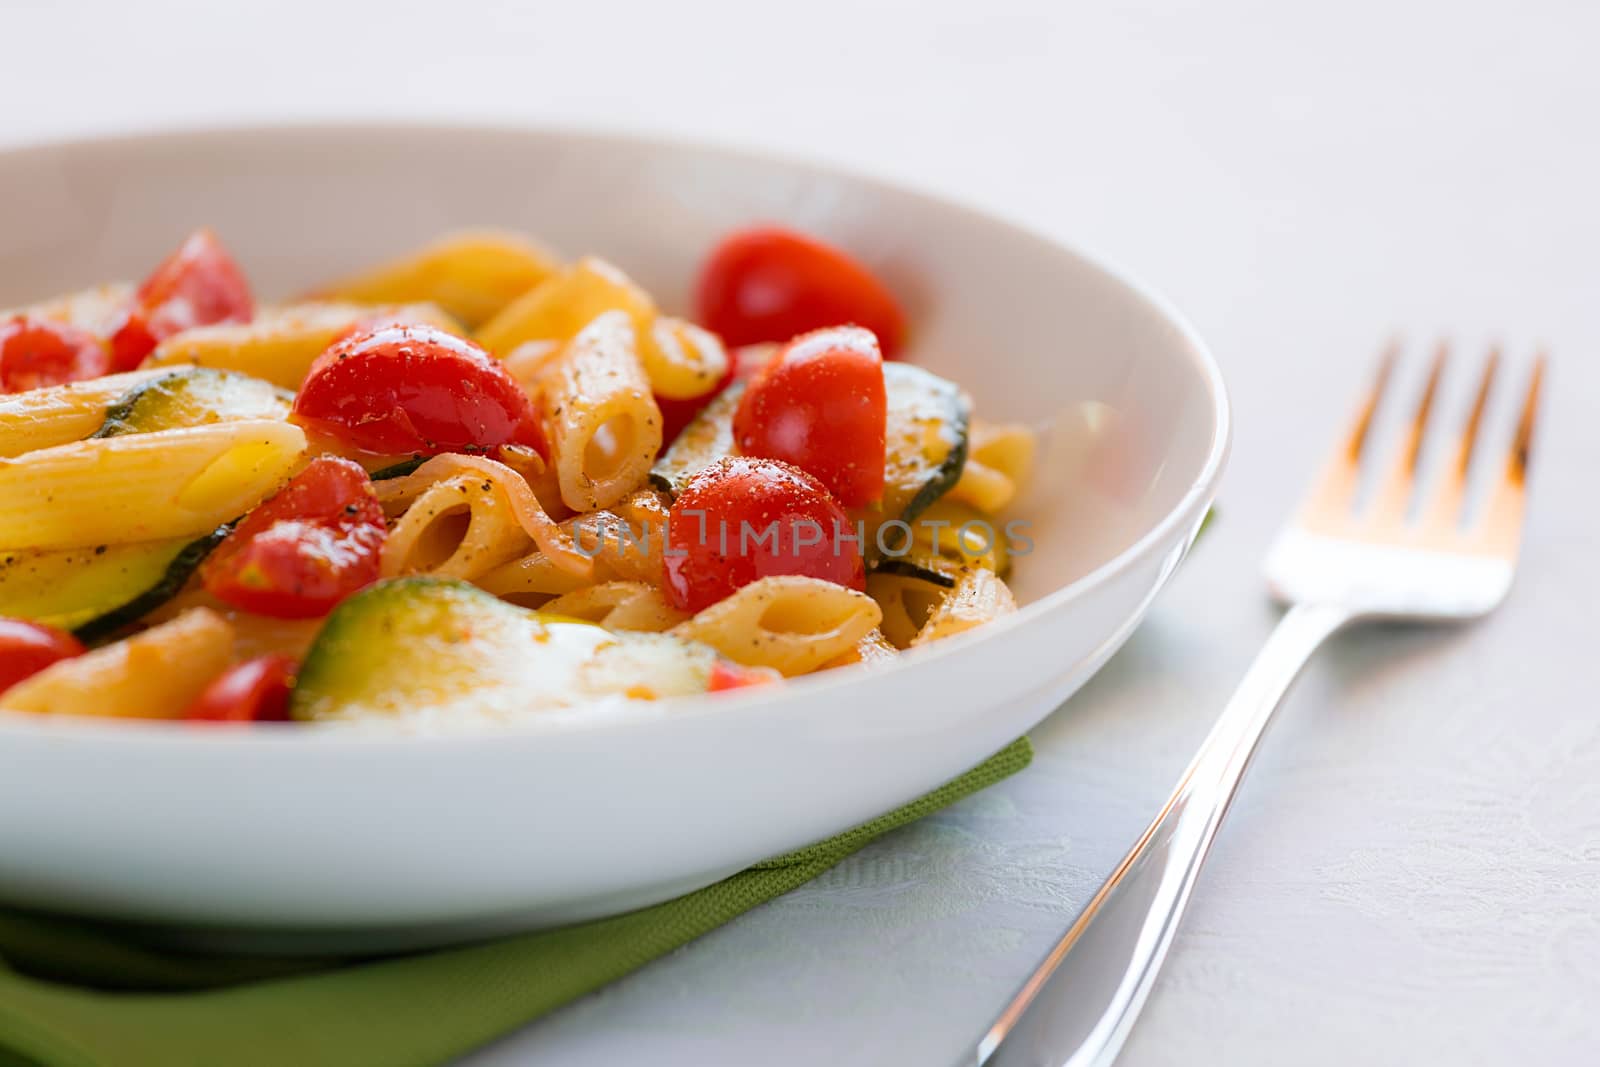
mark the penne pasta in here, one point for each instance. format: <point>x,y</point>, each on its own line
<point>143,487</point>
<point>873,648</point>
<point>531,580</point>
<point>1007,447</point>
<point>367,513</point>
<point>602,421</point>
<point>280,345</point>
<point>680,359</point>
<point>563,304</point>
<point>951,535</point>
<point>622,545</point>
<point>472,275</point>
<point>984,487</point>
<point>492,494</point>
<point>979,596</point>
<point>156,674</point>
<point>460,527</point>
<point>627,542</point>
<point>61,414</point>
<point>636,606</point>
<point>790,623</point>
<point>999,459</point>
<point>905,604</point>
<point>253,635</point>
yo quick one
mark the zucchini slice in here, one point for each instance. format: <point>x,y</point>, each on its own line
<point>96,591</point>
<point>928,428</point>
<point>701,443</point>
<point>948,538</point>
<point>936,572</point>
<point>194,397</point>
<point>926,444</point>
<point>398,470</point>
<point>427,648</point>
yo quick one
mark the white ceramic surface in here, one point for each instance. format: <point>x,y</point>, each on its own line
<point>315,835</point>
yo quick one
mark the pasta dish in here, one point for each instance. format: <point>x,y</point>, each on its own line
<point>477,481</point>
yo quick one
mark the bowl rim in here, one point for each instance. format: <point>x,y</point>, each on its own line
<point>1186,512</point>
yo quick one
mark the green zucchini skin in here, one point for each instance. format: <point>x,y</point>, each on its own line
<point>706,439</point>
<point>399,470</point>
<point>193,396</point>
<point>172,581</point>
<point>907,568</point>
<point>435,647</point>
<point>929,428</point>
<point>927,438</point>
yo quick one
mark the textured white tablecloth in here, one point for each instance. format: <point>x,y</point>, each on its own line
<point>1412,874</point>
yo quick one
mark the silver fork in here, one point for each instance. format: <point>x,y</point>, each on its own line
<point>1402,554</point>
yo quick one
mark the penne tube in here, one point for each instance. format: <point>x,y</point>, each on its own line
<point>680,359</point>
<point>143,487</point>
<point>602,422</point>
<point>979,596</point>
<point>280,345</point>
<point>873,648</point>
<point>790,623</point>
<point>563,304</point>
<point>472,275</point>
<point>534,577</point>
<point>636,606</point>
<point>61,414</point>
<point>503,491</point>
<point>999,460</point>
<point>156,674</point>
<point>461,527</point>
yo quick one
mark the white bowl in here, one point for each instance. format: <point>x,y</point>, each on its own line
<point>320,837</point>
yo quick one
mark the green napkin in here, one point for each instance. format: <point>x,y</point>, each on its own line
<point>74,994</point>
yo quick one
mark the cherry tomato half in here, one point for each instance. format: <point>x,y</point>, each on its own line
<point>768,284</point>
<point>301,551</point>
<point>726,675</point>
<point>256,690</point>
<point>197,285</point>
<point>37,352</point>
<point>26,648</point>
<point>744,518</point>
<point>415,389</point>
<point>819,404</point>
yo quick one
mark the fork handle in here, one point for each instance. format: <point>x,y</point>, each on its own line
<point>1076,1010</point>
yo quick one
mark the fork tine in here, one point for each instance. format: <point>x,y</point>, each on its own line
<point>1361,432</point>
<point>1501,525</point>
<point>1329,500</point>
<point>1443,514</point>
<point>1522,445</point>
<point>1469,439</point>
<point>1398,486</point>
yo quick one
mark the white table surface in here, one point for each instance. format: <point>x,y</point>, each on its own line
<point>1412,874</point>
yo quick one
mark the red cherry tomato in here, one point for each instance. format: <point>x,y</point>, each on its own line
<point>820,405</point>
<point>415,389</point>
<point>726,675</point>
<point>37,352</point>
<point>744,518</point>
<point>676,414</point>
<point>197,285</point>
<point>256,690</point>
<point>768,284</point>
<point>304,549</point>
<point>26,648</point>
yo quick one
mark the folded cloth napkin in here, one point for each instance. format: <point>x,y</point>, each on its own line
<point>77,994</point>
